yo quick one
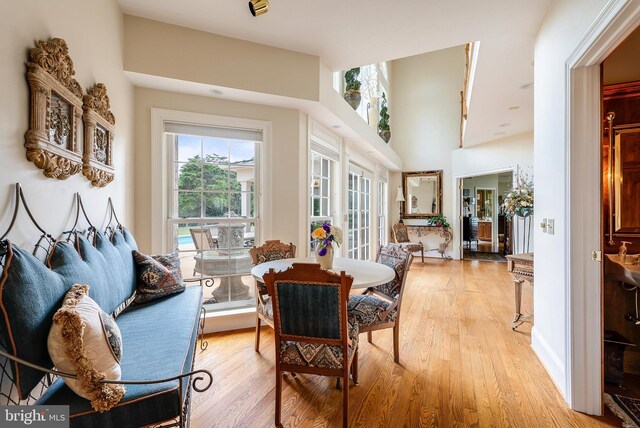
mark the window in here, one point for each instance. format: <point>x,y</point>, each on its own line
<point>359,216</point>
<point>321,194</point>
<point>212,208</point>
<point>382,213</point>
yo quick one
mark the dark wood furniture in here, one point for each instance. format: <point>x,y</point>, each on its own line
<point>485,230</point>
<point>269,251</point>
<point>378,308</point>
<point>312,332</point>
<point>521,268</point>
<point>401,237</point>
<point>470,230</point>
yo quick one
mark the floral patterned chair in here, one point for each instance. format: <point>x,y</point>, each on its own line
<point>313,334</point>
<point>379,307</point>
<point>401,237</point>
<point>269,251</point>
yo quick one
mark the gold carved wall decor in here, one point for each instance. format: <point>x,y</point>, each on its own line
<point>99,125</point>
<point>54,111</point>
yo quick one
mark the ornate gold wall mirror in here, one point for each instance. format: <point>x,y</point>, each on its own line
<point>99,125</point>
<point>422,194</point>
<point>54,111</point>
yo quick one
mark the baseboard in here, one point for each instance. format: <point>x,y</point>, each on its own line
<point>550,360</point>
<point>231,320</point>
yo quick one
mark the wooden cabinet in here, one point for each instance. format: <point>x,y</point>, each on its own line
<point>485,231</point>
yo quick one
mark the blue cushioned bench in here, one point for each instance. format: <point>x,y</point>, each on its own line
<point>159,338</point>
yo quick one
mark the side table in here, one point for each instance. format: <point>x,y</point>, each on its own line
<point>521,268</point>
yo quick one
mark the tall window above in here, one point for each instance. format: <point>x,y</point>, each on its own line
<point>213,208</point>
<point>374,79</point>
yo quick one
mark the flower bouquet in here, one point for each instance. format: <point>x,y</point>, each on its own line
<point>325,236</point>
<point>519,200</point>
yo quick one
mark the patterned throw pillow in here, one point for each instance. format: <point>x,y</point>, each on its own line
<point>158,276</point>
<point>86,341</point>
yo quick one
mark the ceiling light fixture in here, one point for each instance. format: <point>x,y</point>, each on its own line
<point>258,7</point>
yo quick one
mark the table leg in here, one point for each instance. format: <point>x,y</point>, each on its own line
<point>518,300</point>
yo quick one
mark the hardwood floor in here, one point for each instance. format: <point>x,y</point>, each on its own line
<point>461,365</point>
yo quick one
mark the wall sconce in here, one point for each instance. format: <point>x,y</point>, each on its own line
<point>258,7</point>
<point>400,200</point>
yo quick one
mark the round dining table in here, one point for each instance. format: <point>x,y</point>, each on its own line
<point>365,273</point>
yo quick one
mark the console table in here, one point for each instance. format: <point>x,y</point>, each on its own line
<point>521,268</point>
<point>444,232</point>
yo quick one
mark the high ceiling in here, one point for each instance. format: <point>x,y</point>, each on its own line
<point>347,33</point>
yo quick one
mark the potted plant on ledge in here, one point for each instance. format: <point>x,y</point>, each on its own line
<point>352,90</point>
<point>384,131</point>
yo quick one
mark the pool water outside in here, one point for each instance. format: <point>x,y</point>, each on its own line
<point>185,240</point>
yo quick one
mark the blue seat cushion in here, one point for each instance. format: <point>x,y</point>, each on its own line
<point>158,342</point>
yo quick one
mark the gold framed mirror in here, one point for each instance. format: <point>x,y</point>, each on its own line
<point>422,194</point>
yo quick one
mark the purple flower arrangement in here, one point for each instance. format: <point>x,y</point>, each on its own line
<point>326,236</point>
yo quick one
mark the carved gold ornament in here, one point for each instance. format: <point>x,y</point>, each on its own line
<point>99,125</point>
<point>55,110</point>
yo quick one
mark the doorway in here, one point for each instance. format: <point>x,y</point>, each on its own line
<point>486,231</point>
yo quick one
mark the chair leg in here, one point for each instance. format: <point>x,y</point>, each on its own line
<point>396,348</point>
<point>422,254</point>
<point>369,337</point>
<point>354,367</point>
<point>257,334</point>
<point>345,400</point>
<point>278,397</point>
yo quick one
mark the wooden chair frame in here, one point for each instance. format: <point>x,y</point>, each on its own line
<point>310,273</point>
<point>395,229</point>
<point>395,305</point>
<point>269,246</point>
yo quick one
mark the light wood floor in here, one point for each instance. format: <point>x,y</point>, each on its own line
<point>461,365</point>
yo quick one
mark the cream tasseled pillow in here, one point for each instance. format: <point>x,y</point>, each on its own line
<point>84,340</point>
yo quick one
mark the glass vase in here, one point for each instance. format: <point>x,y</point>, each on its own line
<point>326,261</point>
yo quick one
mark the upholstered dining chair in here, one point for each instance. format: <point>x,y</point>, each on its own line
<point>269,251</point>
<point>313,334</point>
<point>401,237</point>
<point>378,307</point>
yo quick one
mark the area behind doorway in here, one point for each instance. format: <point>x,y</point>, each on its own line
<point>486,231</point>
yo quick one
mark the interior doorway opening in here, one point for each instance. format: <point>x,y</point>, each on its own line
<point>486,230</point>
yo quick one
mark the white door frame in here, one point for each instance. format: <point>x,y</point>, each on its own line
<point>457,203</point>
<point>582,144</point>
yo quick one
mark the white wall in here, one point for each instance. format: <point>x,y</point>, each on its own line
<point>564,26</point>
<point>93,32</point>
<point>425,121</point>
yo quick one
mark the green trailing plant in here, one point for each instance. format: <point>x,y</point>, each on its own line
<point>383,123</point>
<point>351,77</point>
<point>439,221</point>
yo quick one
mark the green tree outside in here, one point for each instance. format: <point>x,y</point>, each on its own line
<point>220,184</point>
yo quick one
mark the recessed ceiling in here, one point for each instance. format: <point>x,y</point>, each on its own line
<point>347,33</point>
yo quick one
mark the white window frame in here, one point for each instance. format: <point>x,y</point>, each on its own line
<point>356,197</point>
<point>161,193</point>
<point>383,201</point>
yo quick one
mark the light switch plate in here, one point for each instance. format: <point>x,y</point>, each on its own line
<point>550,226</point>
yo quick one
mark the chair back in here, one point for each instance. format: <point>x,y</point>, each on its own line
<point>202,238</point>
<point>400,232</point>
<point>272,250</point>
<point>309,304</point>
<point>399,260</point>
<point>473,228</point>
